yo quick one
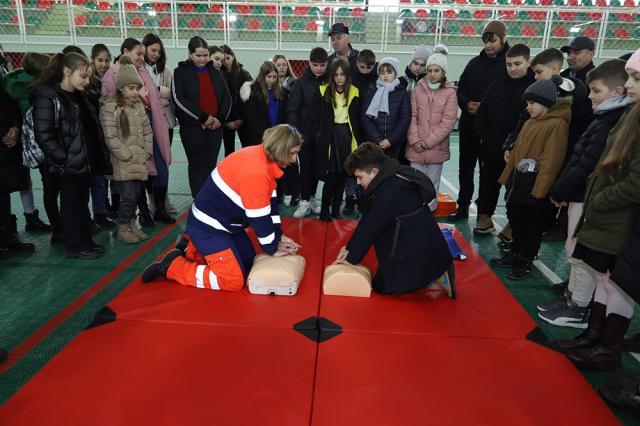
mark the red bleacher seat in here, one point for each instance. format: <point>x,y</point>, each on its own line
<point>103,5</point>
<point>538,16</point>
<point>422,13</point>
<point>574,3</point>
<point>137,22</point>
<point>481,14</point>
<point>529,31</point>
<point>160,7</point>
<point>601,3</point>
<point>243,9</point>
<point>621,33</point>
<point>311,26</point>
<point>301,10</point>
<point>567,16</point>
<point>15,20</point>
<point>358,11</point>
<point>405,1</point>
<point>590,32</point>
<point>595,16</point>
<point>560,32</point>
<point>80,2</point>
<point>461,2</point>
<point>489,1</point>
<point>284,26</point>
<point>130,7</point>
<point>468,30</point>
<point>516,2</point>
<point>508,15</point>
<point>45,4</point>
<point>195,23</point>
<point>216,8</point>
<point>221,25</point>
<point>187,8</point>
<point>254,25</point>
<point>629,3</point>
<point>109,21</point>
<point>80,20</point>
<point>545,2</point>
<point>326,11</point>
<point>625,17</point>
<point>165,23</point>
<point>270,10</point>
<point>450,14</point>
<point>434,2</point>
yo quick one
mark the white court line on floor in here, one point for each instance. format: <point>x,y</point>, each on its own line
<point>544,269</point>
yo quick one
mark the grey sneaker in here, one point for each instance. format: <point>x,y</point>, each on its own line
<point>553,305</point>
<point>569,315</point>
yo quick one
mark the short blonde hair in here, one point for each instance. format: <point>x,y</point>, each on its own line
<point>279,140</point>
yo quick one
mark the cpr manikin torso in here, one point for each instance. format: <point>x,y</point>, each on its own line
<point>276,275</point>
<point>347,280</point>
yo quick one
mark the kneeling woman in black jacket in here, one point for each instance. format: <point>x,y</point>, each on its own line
<point>396,220</point>
<point>202,105</point>
<point>67,129</point>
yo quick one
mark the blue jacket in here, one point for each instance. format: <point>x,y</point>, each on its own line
<point>393,126</point>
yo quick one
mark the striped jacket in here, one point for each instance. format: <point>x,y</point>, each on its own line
<point>241,193</point>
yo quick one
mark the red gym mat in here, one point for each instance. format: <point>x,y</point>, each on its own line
<point>164,301</point>
<point>365,378</point>
<point>484,307</point>
<point>140,373</point>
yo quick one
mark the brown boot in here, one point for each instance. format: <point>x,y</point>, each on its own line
<point>484,225</point>
<point>137,231</point>
<point>126,235</point>
<point>607,355</point>
<point>505,234</point>
<point>591,336</point>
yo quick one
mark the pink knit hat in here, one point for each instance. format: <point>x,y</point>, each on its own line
<point>634,62</point>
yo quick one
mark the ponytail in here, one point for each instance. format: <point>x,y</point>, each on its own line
<point>122,116</point>
<point>54,71</point>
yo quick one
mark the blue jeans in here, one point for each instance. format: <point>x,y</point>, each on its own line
<point>98,194</point>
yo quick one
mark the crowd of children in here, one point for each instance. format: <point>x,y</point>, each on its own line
<point>559,141</point>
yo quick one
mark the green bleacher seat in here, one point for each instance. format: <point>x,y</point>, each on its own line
<point>210,22</point>
<point>94,20</point>
<point>503,2</point>
<point>513,30</point>
<point>5,3</point>
<point>465,14</point>
<point>257,10</point>
<point>146,7</point>
<point>92,5</point>
<point>183,22</point>
<point>286,10</point>
<point>269,24</point>
<point>615,3</point>
<point>115,6</point>
<point>405,13</point>
<point>5,17</point>
<point>314,11</point>
<point>343,11</point>
<point>452,28</point>
<point>558,2</point>
<point>241,24</point>
<point>298,26</point>
<point>33,20</point>
<point>202,8</point>
<point>587,3</point>
<point>531,2</point>
<point>582,16</point>
<point>151,22</point>
<point>523,15</point>
<point>357,26</point>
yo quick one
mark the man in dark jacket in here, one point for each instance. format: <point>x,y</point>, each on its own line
<point>342,49</point>
<point>299,113</point>
<point>398,223</point>
<point>579,58</point>
<point>479,73</point>
<point>609,103</point>
<point>14,175</point>
<point>497,116</point>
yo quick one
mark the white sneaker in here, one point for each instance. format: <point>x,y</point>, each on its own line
<point>302,210</point>
<point>286,200</point>
<point>316,205</point>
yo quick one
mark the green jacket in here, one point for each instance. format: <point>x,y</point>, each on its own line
<point>611,205</point>
<point>16,83</point>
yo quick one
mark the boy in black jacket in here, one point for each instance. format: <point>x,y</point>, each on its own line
<point>497,116</point>
<point>609,102</point>
<point>364,75</point>
<point>299,112</point>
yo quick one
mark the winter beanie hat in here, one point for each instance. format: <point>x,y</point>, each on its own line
<point>544,92</point>
<point>420,52</point>
<point>496,27</point>
<point>439,57</point>
<point>127,75</point>
<point>633,63</point>
<point>391,61</point>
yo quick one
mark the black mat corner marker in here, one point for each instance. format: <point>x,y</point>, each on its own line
<point>317,329</point>
<point>328,329</point>
<point>538,336</point>
<point>104,316</point>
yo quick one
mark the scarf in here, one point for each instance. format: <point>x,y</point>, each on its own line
<point>380,101</point>
<point>611,104</point>
<point>433,86</point>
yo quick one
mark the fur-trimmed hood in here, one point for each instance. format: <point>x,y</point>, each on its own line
<point>245,91</point>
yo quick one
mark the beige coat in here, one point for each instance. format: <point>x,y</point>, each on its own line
<point>542,139</point>
<point>130,156</point>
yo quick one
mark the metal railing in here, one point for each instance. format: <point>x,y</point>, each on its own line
<point>296,26</point>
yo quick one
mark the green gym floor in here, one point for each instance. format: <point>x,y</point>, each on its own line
<point>46,299</point>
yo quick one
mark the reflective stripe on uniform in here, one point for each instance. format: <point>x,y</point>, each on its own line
<point>205,218</point>
<point>268,239</point>
<point>276,219</point>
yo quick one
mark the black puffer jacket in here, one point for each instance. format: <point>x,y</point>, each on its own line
<point>572,183</point>
<point>15,176</point>
<point>499,112</point>
<point>186,91</point>
<point>397,222</point>
<point>256,112</point>
<point>392,126</point>
<point>73,145</point>
<point>474,81</point>
<point>234,83</point>
<point>300,105</point>
<point>627,269</point>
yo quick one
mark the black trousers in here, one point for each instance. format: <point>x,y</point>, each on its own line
<point>527,225</point>
<point>289,183</point>
<point>202,147</point>
<point>229,138</point>
<point>74,211</point>
<point>469,152</point>
<point>332,190</point>
<point>5,208</point>
<point>308,179</point>
<point>50,193</point>
<point>491,167</point>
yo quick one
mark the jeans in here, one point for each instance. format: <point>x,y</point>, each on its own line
<point>129,191</point>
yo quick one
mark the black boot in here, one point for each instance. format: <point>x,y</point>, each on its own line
<point>591,336</point>
<point>144,215</point>
<point>462,212</point>
<point>103,221</point>
<point>349,206</point>
<point>159,269</point>
<point>34,223</point>
<point>159,194</point>
<point>182,241</point>
<point>9,238</point>
<point>335,208</point>
<point>325,211</point>
<point>4,253</point>
<point>521,270</point>
<point>508,260</point>
<point>606,355</point>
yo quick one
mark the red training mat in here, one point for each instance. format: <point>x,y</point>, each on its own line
<point>483,308</point>
<point>166,301</point>
<point>397,379</point>
<point>140,373</point>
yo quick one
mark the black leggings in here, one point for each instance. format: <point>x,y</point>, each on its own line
<point>202,147</point>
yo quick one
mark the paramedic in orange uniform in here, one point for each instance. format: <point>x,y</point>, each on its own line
<point>239,193</point>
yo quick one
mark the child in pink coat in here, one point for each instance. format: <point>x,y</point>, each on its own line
<point>434,109</point>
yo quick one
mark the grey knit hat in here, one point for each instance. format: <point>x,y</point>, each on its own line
<point>420,52</point>
<point>127,74</point>
<point>439,57</point>
<point>544,92</point>
<point>391,61</point>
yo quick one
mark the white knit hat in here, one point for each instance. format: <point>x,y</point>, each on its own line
<point>439,57</point>
<point>391,61</point>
